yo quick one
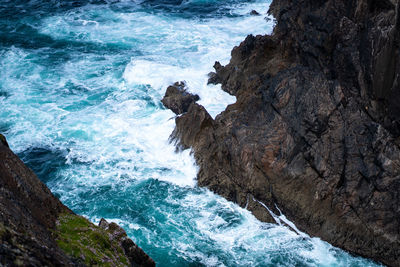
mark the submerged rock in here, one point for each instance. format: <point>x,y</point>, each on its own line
<point>316,126</point>
<point>36,229</point>
<point>254,13</point>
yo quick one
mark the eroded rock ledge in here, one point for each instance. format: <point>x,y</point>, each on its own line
<point>316,125</point>
<point>36,229</point>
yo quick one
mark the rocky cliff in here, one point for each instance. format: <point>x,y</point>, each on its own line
<point>36,229</point>
<point>316,125</point>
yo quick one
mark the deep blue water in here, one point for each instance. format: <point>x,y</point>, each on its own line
<point>80,90</point>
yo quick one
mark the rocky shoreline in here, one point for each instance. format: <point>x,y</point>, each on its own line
<point>36,229</point>
<point>315,130</point>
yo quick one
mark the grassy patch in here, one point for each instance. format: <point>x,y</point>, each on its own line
<point>81,239</point>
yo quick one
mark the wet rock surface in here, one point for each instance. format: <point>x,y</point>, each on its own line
<point>316,126</point>
<point>178,99</point>
<point>254,13</point>
<point>30,219</point>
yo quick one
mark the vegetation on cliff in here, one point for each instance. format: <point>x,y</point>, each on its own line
<point>36,229</point>
<point>81,239</point>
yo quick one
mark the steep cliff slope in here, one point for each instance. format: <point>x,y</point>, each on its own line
<point>36,229</point>
<point>315,129</point>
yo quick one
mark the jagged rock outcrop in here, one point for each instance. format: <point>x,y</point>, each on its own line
<point>36,229</point>
<point>134,253</point>
<point>316,125</point>
<point>178,99</point>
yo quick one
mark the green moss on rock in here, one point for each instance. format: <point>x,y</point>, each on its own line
<point>92,245</point>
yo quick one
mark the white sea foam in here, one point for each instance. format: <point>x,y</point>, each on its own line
<point>214,220</point>
<point>102,109</point>
<point>120,137</point>
<point>172,49</point>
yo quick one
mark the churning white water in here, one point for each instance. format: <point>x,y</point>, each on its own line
<point>80,90</point>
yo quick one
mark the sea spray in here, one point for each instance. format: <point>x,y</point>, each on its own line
<point>80,90</point>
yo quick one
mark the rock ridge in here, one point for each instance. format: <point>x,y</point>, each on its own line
<point>315,129</point>
<point>36,229</point>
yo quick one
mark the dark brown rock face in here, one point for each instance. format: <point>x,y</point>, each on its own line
<point>178,99</point>
<point>315,129</point>
<point>29,215</point>
<point>28,211</point>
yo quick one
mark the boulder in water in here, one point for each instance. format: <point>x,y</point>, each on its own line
<point>254,13</point>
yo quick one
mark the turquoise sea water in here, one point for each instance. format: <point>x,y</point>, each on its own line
<point>80,90</point>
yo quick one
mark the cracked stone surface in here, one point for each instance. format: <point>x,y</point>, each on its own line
<point>316,125</point>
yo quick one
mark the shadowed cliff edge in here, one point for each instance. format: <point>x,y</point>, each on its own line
<point>315,130</point>
<point>36,229</point>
